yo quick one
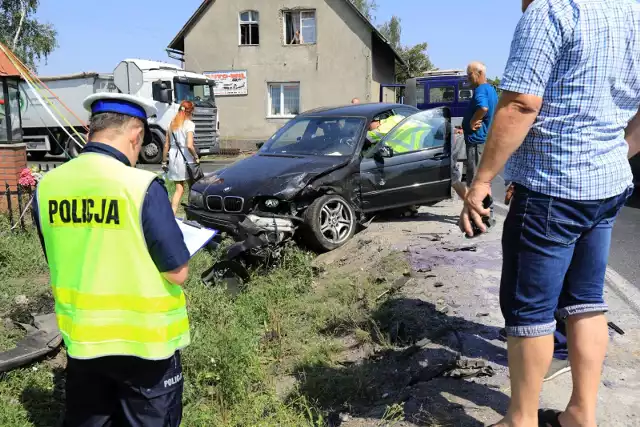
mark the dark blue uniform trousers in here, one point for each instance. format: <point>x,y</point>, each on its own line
<point>124,391</point>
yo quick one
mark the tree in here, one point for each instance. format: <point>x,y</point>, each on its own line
<point>29,39</point>
<point>415,57</point>
<point>366,7</point>
<point>392,30</point>
<point>495,83</point>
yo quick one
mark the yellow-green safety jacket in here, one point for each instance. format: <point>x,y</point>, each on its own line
<point>110,298</point>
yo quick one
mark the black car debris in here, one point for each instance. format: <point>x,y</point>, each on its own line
<point>319,178</point>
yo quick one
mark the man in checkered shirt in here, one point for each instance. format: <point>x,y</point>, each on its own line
<point>567,122</point>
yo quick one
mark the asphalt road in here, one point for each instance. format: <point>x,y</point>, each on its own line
<point>625,240</point>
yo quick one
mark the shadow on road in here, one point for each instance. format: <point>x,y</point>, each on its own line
<point>420,344</point>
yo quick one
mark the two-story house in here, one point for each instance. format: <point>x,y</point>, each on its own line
<point>280,58</point>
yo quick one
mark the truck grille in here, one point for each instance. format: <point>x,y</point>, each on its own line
<point>233,204</point>
<point>230,204</point>
<point>206,135</point>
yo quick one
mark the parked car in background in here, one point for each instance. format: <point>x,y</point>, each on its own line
<point>318,177</point>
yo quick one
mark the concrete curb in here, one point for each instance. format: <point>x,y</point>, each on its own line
<point>625,290</point>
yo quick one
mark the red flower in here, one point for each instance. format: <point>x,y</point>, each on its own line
<point>26,179</point>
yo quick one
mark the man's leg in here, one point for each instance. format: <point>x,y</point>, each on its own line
<point>533,272</point>
<point>473,159</point>
<point>91,399</point>
<point>582,304</point>
<point>151,392</point>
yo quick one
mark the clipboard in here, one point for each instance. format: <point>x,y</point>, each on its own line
<point>195,236</point>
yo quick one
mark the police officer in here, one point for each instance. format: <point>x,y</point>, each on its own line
<point>378,128</point>
<point>117,260</point>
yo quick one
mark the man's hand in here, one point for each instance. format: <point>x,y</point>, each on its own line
<point>473,209</point>
<point>198,160</point>
<point>476,125</point>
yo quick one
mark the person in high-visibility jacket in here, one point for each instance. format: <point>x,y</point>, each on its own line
<point>117,259</point>
<point>407,137</point>
<point>379,128</point>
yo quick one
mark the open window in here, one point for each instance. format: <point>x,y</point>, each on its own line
<point>299,27</point>
<point>249,28</point>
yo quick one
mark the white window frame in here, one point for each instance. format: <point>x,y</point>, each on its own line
<point>300,12</point>
<point>282,85</point>
<point>249,22</point>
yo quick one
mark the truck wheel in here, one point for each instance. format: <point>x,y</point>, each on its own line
<point>152,152</point>
<point>330,222</point>
<point>72,147</point>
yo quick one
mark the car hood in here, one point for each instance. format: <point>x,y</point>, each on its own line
<point>282,176</point>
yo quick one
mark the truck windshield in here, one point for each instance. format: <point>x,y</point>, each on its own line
<point>195,92</point>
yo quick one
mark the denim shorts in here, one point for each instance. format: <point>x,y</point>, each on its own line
<point>555,254</point>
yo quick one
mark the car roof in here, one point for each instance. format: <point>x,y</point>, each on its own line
<point>365,110</point>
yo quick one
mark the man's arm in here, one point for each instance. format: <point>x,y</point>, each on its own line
<point>514,116</point>
<point>483,108</point>
<point>165,241</point>
<point>632,135</point>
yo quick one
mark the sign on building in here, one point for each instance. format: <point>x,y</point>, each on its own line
<point>228,83</point>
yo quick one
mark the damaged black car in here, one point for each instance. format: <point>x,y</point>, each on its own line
<point>319,178</point>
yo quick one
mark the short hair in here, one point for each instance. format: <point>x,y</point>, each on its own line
<point>478,66</point>
<point>113,122</point>
<point>355,101</point>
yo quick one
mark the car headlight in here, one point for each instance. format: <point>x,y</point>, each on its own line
<point>271,203</point>
<point>196,199</point>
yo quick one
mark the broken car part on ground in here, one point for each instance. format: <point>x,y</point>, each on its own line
<point>319,178</point>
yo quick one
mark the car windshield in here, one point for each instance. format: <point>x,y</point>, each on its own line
<point>319,136</point>
<point>195,92</point>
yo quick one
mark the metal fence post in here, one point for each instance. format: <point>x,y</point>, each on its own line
<point>9,209</point>
<point>20,216</point>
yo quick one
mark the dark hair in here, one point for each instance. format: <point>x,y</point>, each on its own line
<point>110,121</point>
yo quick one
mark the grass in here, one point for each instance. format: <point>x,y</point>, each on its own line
<point>288,319</point>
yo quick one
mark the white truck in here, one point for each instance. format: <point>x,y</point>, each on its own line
<point>166,84</point>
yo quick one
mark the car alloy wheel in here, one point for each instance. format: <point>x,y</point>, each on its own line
<point>336,221</point>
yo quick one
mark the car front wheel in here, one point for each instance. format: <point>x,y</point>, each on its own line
<point>331,222</point>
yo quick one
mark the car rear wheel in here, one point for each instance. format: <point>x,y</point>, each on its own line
<point>331,222</point>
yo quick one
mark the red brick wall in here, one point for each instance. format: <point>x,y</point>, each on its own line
<point>13,158</point>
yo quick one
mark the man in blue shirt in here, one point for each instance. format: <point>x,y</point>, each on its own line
<point>566,125</point>
<point>479,115</point>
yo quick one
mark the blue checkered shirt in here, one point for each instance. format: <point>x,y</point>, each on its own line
<point>583,58</point>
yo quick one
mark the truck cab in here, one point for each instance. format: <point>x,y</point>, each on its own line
<point>168,85</point>
<point>441,88</point>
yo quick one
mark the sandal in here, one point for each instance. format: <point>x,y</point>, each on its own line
<point>549,418</point>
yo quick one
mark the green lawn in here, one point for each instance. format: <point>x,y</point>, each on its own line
<point>242,348</point>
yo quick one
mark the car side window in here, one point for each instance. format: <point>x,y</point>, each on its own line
<point>422,131</point>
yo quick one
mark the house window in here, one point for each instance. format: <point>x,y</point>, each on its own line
<point>249,28</point>
<point>300,27</point>
<point>284,99</point>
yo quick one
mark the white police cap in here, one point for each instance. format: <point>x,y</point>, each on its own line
<point>129,105</point>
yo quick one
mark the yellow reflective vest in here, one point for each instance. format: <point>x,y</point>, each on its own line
<point>110,297</point>
<point>410,136</point>
<point>384,128</point>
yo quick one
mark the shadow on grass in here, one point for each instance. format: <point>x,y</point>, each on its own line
<point>420,345</point>
<point>45,406</point>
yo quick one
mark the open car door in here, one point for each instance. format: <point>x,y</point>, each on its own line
<point>411,165</point>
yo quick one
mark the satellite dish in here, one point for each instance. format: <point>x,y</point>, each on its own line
<point>128,77</point>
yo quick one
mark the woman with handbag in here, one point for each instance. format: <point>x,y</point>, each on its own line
<point>184,164</point>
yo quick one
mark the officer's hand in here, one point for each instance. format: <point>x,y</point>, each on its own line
<point>473,209</point>
<point>165,168</point>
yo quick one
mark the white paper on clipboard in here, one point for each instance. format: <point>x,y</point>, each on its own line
<point>195,238</point>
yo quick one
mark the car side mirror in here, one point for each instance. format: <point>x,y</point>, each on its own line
<point>166,96</point>
<point>385,152</point>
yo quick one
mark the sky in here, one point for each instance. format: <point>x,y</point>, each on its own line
<point>96,35</point>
